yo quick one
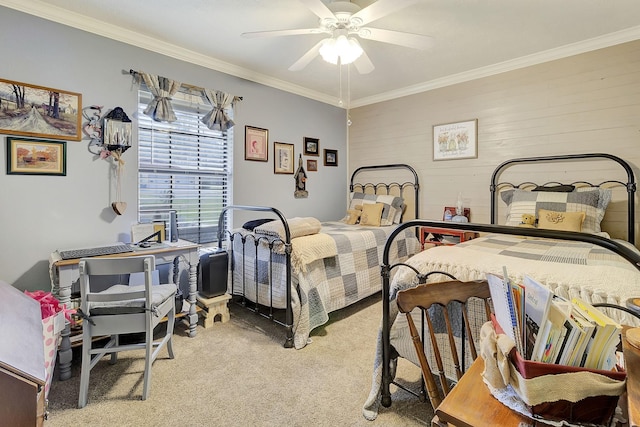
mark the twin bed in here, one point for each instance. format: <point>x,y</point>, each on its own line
<point>295,271</point>
<point>584,261</point>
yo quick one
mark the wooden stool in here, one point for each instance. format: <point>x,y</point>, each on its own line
<point>212,307</point>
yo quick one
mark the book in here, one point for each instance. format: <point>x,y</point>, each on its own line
<point>558,332</point>
<point>504,308</point>
<point>587,329</point>
<point>537,299</point>
<point>601,350</point>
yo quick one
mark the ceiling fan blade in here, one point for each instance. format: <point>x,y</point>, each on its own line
<point>381,8</point>
<point>277,33</point>
<point>306,58</point>
<point>416,41</point>
<point>319,8</point>
<point>363,64</point>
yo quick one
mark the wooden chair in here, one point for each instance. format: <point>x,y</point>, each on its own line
<point>427,296</point>
<point>123,309</point>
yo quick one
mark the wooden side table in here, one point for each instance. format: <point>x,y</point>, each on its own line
<point>455,236</point>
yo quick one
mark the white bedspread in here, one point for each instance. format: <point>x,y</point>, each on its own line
<point>594,274</point>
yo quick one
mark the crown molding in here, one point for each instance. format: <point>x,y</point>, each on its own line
<point>577,48</point>
<point>127,36</point>
<point>124,35</point>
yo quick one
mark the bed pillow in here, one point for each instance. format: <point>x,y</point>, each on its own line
<point>530,202</point>
<point>392,205</point>
<point>250,225</point>
<point>556,188</point>
<point>371,214</point>
<point>604,198</point>
<point>565,221</point>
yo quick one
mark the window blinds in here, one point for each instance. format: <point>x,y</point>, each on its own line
<point>183,166</point>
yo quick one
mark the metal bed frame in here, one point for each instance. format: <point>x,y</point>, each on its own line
<point>284,317</point>
<point>612,245</point>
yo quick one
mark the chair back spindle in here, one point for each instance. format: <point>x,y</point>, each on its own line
<point>440,316</point>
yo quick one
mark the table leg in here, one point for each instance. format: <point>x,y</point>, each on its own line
<point>65,355</point>
<point>193,291</point>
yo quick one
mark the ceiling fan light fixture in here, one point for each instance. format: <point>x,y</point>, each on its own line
<point>340,48</point>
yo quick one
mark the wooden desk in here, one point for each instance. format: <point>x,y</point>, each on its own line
<point>459,236</point>
<point>483,410</point>
<point>65,272</point>
<point>632,366</point>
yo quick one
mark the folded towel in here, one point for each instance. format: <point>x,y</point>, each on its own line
<point>306,249</point>
<point>298,227</point>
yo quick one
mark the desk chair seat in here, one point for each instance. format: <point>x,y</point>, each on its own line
<point>123,309</point>
<point>443,319</point>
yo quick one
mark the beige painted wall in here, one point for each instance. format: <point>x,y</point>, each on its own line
<point>585,103</point>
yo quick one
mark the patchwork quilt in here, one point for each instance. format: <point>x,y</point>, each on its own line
<point>324,285</point>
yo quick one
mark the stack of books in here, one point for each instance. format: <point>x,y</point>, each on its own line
<point>548,328</point>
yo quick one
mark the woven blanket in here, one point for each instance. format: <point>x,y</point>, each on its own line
<point>325,284</point>
<point>570,269</point>
<point>306,249</point>
<point>298,227</point>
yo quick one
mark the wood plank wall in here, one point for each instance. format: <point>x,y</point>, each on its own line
<point>582,104</point>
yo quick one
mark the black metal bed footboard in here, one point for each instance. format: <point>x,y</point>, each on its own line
<point>627,253</point>
<point>278,248</point>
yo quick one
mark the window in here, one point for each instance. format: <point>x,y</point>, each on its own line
<point>183,166</point>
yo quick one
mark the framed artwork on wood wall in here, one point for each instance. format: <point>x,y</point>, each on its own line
<point>256,144</point>
<point>455,140</point>
<point>39,111</point>
<point>36,157</point>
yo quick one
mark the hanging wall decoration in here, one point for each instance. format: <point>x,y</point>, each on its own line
<point>301,181</point>
<point>116,132</point>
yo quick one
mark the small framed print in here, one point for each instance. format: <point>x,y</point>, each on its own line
<point>283,156</point>
<point>311,146</point>
<point>330,157</point>
<point>256,144</point>
<point>312,165</point>
<point>455,140</point>
<point>36,157</point>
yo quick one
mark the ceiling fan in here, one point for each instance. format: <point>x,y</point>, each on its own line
<point>344,22</point>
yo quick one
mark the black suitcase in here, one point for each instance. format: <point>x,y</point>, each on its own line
<point>212,273</point>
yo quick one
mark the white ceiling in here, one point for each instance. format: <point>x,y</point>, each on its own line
<point>473,38</point>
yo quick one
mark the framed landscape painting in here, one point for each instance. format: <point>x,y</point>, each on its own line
<point>36,157</point>
<point>39,111</point>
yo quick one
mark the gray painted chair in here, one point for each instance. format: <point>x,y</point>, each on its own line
<point>123,309</point>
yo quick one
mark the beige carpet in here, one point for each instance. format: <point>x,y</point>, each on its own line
<point>239,374</point>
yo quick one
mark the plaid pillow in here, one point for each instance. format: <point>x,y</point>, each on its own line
<point>391,212</point>
<point>530,202</point>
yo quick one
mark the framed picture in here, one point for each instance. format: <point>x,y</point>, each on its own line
<point>256,144</point>
<point>39,111</point>
<point>450,212</point>
<point>311,146</point>
<point>330,157</point>
<point>312,165</point>
<point>456,140</point>
<point>36,157</point>
<point>283,157</point>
